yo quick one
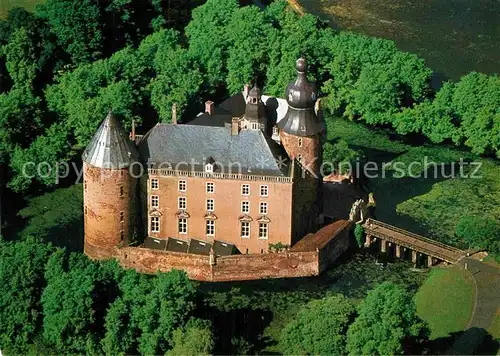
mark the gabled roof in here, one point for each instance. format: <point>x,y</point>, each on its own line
<point>189,146</point>
<point>110,147</point>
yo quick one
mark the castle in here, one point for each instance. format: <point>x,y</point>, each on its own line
<point>241,177</point>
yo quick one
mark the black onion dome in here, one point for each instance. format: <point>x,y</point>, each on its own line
<point>301,119</point>
<point>301,94</point>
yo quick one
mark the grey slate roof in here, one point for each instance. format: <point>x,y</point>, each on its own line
<point>167,145</point>
<point>110,147</point>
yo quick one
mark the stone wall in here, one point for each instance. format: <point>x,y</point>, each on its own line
<point>226,268</point>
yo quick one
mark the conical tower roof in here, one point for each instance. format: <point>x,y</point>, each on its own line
<point>110,147</point>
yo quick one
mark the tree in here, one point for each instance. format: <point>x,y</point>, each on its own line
<point>77,28</point>
<point>359,234</point>
<point>386,322</point>
<point>195,338</point>
<point>319,328</point>
<point>22,266</point>
<point>166,308</point>
<point>480,232</point>
<point>20,58</point>
<point>74,301</point>
<point>339,156</point>
<point>208,41</point>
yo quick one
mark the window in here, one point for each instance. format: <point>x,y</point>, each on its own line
<point>263,230</point>
<point>210,187</point>
<point>122,235</point>
<point>245,189</point>
<point>182,203</point>
<point>263,208</point>
<point>182,226</point>
<point>121,191</point>
<point>210,227</point>
<point>275,130</point>
<point>210,205</point>
<point>263,190</point>
<point>300,142</point>
<point>122,216</point>
<point>299,158</point>
<point>155,224</point>
<point>155,184</point>
<point>182,186</point>
<point>255,126</point>
<point>245,207</point>
<point>209,168</point>
<point>245,229</point>
<point>155,201</point>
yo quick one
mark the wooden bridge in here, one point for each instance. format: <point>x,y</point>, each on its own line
<point>397,238</point>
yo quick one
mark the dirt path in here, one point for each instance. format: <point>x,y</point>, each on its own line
<point>487,283</point>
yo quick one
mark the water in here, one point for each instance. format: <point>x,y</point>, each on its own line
<point>453,36</point>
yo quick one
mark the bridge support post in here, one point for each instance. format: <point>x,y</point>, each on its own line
<point>368,240</point>
<point>383,245</point>
<point>414,257</point>
<point>398,251</point>
<point>430,261</point>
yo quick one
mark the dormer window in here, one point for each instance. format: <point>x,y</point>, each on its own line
<point>254,100</point>
<point>255,126</point>
<point>209,165</point>
<point>275,130</point>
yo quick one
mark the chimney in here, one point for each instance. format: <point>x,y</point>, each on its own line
<point>174,114</point>
<point>246,90</point>
<point>235,126</point>
<point>132,134</point>
<point>209,107</point>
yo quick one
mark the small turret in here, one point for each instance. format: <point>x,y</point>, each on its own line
<point>255,111</point>
<point>109,189</point>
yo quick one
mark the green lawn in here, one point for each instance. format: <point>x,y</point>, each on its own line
<point>6,5</point>
<point>446,300</point>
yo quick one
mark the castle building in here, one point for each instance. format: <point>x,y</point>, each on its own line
<point>237,175</point>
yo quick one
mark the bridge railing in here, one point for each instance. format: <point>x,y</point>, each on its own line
<point>411,234</point>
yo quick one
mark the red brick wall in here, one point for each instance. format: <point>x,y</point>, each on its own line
<point>227,268</point>
<point>103,204</point>
<point>227,197</point>
<point>310,150</point>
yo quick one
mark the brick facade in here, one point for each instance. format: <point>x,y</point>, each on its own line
<point>109,208</point>
<point>306,149</point>
<point>227,211</point>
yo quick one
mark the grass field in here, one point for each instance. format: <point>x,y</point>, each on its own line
<point>427,205</point>
<point>446,300</point>
<point>6,5</point>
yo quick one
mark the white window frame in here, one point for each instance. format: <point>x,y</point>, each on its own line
<point>245,232</point>
<point>245,187</point>
<point>182,226</point>
<point>300,142</point>
<point>183,205</point>
<point>263,208</point>
<point>182,186</point>
<point>155,198</point>
<point>209,168</point>
<point>155,184</point>
<point>154,222</point>
<point>210,202</point>
<point>264,190</point>
<point>263,231</point>
<point>210,190</point>
<point>210,227</point>
<point>247,204</point>
<point>255,126</point>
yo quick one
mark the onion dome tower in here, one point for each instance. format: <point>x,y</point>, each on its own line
<point>109,190</point>
<point>301,129</point>
<point>255,111</point>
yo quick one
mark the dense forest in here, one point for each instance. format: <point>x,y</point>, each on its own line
<point>63,67</point>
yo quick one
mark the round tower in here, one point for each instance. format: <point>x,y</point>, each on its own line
<point>109,190</point>
<point>301,129</point>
